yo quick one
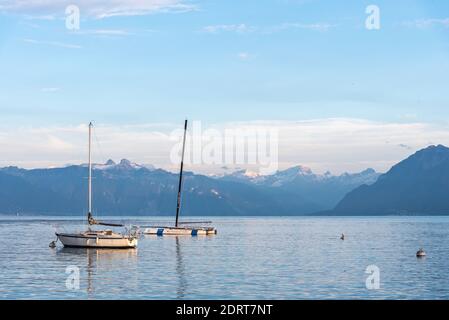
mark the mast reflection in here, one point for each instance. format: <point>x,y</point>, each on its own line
<point>100,261</point>
<point>180,270</point>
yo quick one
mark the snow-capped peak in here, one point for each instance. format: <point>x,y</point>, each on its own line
<point>295,171</point>
<point>251,174</point>
<point>124,164</point>
<point>110,162</point>
<point>244,173</point>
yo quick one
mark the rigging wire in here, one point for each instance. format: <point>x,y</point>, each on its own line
<point>100,151</point>
<point>102,156</point>
<point>98,145</point>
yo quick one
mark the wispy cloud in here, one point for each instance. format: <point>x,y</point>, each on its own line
<point>53,44</point>
<point>50,89</point>
<point>244,28</point>
<point>244,55</point>
<point>306,26</point>
<point>103,32</point>
<point>427,23</point>
<point>95,8</point>
<point>402,145</point>
<point>47,17</point>
<point>239,28</point>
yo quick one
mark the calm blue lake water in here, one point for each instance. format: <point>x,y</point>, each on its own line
<point>250,258</point>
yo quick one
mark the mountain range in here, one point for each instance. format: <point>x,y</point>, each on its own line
<point>419,185</point>
<point>127,188</point>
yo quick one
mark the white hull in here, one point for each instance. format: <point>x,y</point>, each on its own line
<point>172,231</point>
<point>96,239</point>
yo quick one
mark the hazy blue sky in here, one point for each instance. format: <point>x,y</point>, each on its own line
<point>220,61</point>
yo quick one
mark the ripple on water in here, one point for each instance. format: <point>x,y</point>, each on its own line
<point>250,258</point>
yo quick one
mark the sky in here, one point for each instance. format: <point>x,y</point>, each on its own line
<point>343,97</point>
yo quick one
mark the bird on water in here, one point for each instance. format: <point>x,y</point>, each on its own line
<point>421,253</point>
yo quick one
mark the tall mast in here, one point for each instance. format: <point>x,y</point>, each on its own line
<point>180,174</point>
<point>89,202</point>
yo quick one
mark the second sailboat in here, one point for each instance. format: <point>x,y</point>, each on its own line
<point>177,230</point>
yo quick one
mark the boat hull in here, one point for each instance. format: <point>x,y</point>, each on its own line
<point>172,231</point>
<point>91,241</point>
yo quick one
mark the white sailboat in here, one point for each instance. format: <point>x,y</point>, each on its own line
<point>96,238</point>
<point>177,230</point>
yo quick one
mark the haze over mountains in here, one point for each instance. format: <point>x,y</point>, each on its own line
<point>126,188</point>
<point>417,185</point>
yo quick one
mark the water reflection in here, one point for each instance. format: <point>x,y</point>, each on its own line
<point>257,258</point>
<point>98,262</point>
<point>180,270</point>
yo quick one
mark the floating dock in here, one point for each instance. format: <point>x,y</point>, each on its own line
<point>179,231</point>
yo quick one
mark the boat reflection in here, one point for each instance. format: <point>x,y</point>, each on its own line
<point>124,272</point>
<point>180,271</point>
<point>99,262</point>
